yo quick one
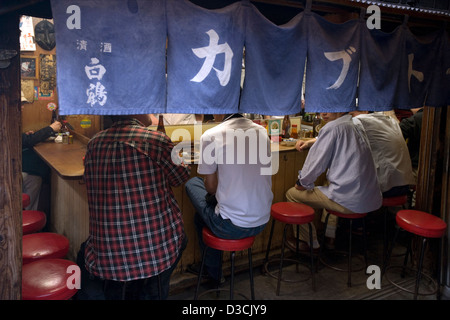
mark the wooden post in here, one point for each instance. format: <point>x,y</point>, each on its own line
<point>433,185</point>
<point>430,166</point>
<point>11,163</point>
<point>445,210</point>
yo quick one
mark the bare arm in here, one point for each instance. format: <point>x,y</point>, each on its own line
<point>211,182</point>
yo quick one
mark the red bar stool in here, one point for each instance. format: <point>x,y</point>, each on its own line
<point>33,221</point>
<point>47,280</point>
<point>290,213</point>
<point>351,217</point>
<point>43,245</point>
<point>398,201</point>
<point>212,241</point>
<point>425,226</point>
<point>25,200</point>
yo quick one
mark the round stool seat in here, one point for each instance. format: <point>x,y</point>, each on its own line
<point>44,245</point>
<point>226,244</point>
<point>292,212</point>
<point>25,200</point>
<point>347,215</point>
<point>421,223</point>
<point>33,221</point>
<point>47,280</point>
<point>394,201</point>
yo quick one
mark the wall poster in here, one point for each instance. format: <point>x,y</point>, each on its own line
<point>47,77</point>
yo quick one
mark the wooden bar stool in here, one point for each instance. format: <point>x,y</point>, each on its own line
<point>290,213</point>
<point>398,201</point>
<point>33,221</point>
<point>425,226</point>
<point>233,245</point>
<point>43,245</point>
<point>47,280</point>
<point>351,217</point>
<point>25,200</point>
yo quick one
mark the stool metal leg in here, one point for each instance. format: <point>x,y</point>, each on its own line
<point>250,268</point>
<point>281,259</point>
<point>349,266</point>
<point>439,268</point>
<point>391,248</point>
<point>312,256</point>
<point>297,240</point>
<point>419,269</point>
<point>270,240</point>
<point>408,252</point>
<point>124,289</point>
<point>199,279</point>
<point>385,232</point>
<point>233,253</point>
<point>365,242</point>
<point>323,241</point>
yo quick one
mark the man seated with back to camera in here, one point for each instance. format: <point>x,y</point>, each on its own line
<point>389,151</point>
<point>136,230</point>
<point>342,151</point>
<point>234,198</point>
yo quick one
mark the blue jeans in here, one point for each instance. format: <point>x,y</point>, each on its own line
<point>223,228</point>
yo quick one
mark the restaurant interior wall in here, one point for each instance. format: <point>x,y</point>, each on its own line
<point>37,114</point>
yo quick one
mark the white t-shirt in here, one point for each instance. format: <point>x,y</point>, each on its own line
<point>239,150</point>
<point>389,150</point>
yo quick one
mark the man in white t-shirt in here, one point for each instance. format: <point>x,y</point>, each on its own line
<point>234,198</point>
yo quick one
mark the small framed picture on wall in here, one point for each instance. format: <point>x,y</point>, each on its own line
<point>29,67</point>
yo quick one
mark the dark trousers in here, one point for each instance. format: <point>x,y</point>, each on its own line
<point>95,288</point>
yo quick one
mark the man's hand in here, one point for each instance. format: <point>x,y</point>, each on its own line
<point>304,144</point>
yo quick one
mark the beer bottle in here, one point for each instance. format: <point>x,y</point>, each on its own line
<point>54,116</point>
<point>316,125</point>
<point>160,127</point>
<point>286,129</point>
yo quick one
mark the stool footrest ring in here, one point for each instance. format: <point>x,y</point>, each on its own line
<point>222,289</point>
<point>430,279</point>
<point>344,254</point>
<point>275,276</point>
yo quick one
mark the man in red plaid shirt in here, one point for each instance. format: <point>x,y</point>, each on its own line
<point>136,231</point>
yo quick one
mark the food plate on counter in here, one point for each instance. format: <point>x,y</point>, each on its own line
<point>288,142</point>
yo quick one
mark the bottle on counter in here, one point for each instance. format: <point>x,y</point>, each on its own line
<point>294,132</point>
<point>160,127</point>
<point>316,124</point>
<point>286,127</point>
<point>54,116</point>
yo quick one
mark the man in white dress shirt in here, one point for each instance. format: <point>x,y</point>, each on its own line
<point>389,151</point>
<point>340,149</point>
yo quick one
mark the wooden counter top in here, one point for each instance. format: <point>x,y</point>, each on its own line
<point>65,159</point>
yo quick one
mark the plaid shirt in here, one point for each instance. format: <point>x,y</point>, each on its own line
<point>135,226</point>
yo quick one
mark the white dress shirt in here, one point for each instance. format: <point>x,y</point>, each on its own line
<point>389,150</point>
<point>342,151</point>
